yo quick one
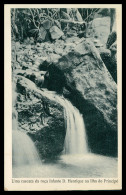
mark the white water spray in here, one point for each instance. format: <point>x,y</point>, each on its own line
<point>75,140</point>
<point>87,165</point>
<point>23,149</point>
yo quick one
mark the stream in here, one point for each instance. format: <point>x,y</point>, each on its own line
<point>76,159</point>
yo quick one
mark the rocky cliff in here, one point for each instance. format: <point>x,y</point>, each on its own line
<point>45,126</point>
<point>73,68</point>
<point>83,78</point>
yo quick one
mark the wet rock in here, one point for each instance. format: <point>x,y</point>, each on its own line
<point>44,65</point>
<point>36,77</point>
<point>39,81</point>
<point>48,136</point>
<point>93,92</point>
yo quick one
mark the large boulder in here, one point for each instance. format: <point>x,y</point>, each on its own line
<point>109,57</point>
<point>100,28</point>
<point>55,32</point>
<point>36,77</point>
<point>47,129</point>
<point>92,90</point>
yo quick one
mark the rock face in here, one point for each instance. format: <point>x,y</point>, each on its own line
<point>75,69</point>
<point>46,128</point>
<point>36,77</point>
<point>92,90</point>
<point>99,27</point>
<point>55,32</point>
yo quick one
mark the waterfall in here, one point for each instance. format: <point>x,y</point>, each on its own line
<point>23,149</point>
<point>75,139</point>
<point>26,161</point>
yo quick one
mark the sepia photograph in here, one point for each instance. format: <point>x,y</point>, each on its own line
<point>64,95</point>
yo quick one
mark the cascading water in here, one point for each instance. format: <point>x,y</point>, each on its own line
<point>23,148</point>
<point>27,163</point>
<point>75,140</point>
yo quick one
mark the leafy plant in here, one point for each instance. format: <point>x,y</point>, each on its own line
<point>46,19</point>
<point>38,22</point>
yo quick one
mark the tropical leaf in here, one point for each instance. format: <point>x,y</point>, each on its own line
<point>65,15</point>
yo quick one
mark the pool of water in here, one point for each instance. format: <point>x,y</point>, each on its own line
<point>68,166</point>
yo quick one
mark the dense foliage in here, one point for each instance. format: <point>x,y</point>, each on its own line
<point>38,22</point>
